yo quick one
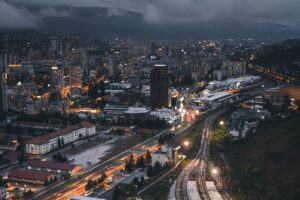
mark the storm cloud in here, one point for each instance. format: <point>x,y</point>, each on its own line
<point>254,13</point>
<point>191,11</point>
<point>16,17</point>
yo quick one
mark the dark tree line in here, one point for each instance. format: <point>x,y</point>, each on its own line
<point>91,184</point>
<point>164,138</point>
<point>59,157</point>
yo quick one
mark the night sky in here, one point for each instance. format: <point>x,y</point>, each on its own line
<point>156,18</point>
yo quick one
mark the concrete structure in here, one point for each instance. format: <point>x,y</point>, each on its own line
<point>159,87</point>
<point>46,143</point>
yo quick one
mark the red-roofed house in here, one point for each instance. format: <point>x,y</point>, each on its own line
<point>46,143</point>
<point>30,176</point>
<point>51,166</point>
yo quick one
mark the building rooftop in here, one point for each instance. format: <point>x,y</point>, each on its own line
<point>51,165</point>
<point>29,175</point>
<point>45,138</point>
<point>137,110</point>
<point>215,96</point>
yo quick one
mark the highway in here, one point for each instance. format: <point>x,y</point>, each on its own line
<point>76,184</point>
<point>198,166</point>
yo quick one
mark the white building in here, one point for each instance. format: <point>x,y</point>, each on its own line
<point>46,143</point>
<point>137,112</point>
<point>164,155</point>
<point>217,96</point>
<point>236,83</point>
<point>166,114</point>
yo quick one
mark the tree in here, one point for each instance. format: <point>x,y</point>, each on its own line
<point>21,150</point>
<point>18,130</point>
<point>8,128</point>
<point>130,164</point>
<point>117,194</point>
<point>90,184</point>
<point>28,194</point>
<point>161,140</point>
<point>58,142</point>
<point>148,156</point>
<point>157,167</point>
<point>102,178</point>
<point>67,176</point>
<point>140,162</point>
<point>150,172</point>
<point>135,181</point>
<point>102,88</point>
<point>3,182</point>
<point>31,131</point>
<point>46,183</point>
<point>126,166</point>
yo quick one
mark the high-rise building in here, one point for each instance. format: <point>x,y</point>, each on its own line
<point>159,87</point>
<point>3,84</point>
<point>73,72</point>
<point>112,70</point>
<point>57,78</point>
<point>56,45</point>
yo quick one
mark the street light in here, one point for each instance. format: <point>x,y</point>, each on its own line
<point>214,171</point>
<point>221,122</point>
<point>186,143</point>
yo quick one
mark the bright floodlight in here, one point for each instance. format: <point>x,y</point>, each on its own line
<point>186,143</point>
<point>214,171</point>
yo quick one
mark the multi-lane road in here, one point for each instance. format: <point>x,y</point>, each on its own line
<point>76,184</point>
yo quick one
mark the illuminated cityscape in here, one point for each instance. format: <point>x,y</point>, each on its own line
<point>147,100</point>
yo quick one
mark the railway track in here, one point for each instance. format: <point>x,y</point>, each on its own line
<point>198,166</point>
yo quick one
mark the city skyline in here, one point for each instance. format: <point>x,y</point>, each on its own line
<point>149,99</point>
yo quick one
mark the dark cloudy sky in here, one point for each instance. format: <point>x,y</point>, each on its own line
<point>241,15</point>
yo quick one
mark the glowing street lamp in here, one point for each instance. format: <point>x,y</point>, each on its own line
<point>186,143</point>
<point>214,171</point>
<point>221,122</point>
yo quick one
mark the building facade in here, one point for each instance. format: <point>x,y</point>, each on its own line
<point>46,143</point>
<point>159,87</point>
